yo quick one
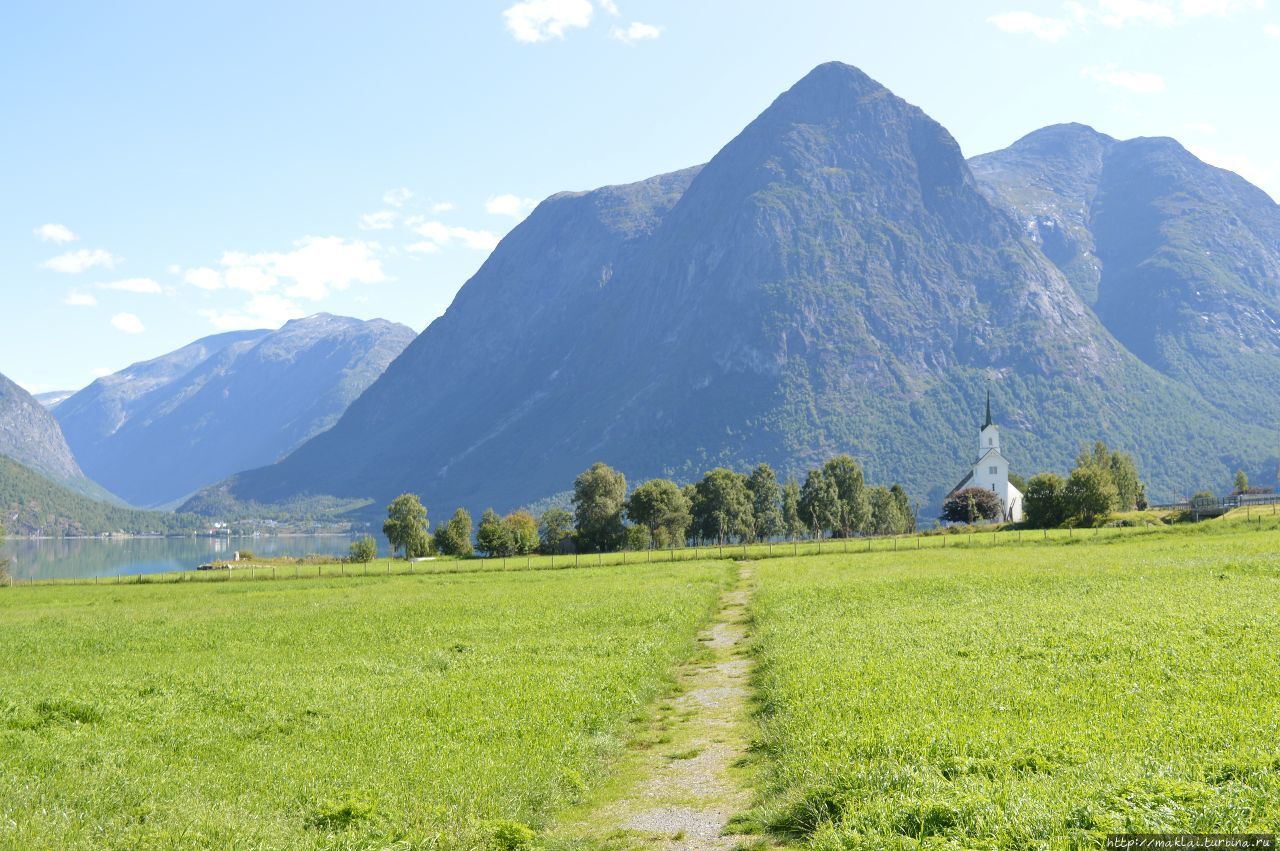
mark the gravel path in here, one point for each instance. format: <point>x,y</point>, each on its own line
<point>686,785</point>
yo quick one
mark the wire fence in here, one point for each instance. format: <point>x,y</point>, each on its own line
<point>1264,514</point>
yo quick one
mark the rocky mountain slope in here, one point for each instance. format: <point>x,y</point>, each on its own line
<point>160,430</point>
<point>30,436</point>
<point>1179,260</point>
<point>835,279</point>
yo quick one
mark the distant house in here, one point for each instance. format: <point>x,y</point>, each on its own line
<point>991,470</point>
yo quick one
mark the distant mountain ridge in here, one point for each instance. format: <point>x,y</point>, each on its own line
<point>160,430</point>
<point>835,279</point>
<point>30,436</point>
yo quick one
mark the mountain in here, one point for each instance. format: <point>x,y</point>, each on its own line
<point>30,436</point>
<point>834,279</point>
<point>160,430</point>
<point>1180,260</point>
<point>53,398</point>
<point>32,504</point>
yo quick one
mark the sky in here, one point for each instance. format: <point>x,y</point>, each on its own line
<point>169,171</point>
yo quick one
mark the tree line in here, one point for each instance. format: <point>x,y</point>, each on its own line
<point>724,506</point>
<point>1102,481</point>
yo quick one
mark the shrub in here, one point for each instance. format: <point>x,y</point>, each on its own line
<point>638,538</point>
<point>972,505</point>
<point>247,555</point>
<point>364,550</point>
<point>1042,504</point>
<point>1089,494</point>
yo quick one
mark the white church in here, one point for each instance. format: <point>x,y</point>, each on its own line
<point>991,470</point>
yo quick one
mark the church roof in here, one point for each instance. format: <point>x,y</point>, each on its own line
<point>988,422</point>
<point>968,477</point>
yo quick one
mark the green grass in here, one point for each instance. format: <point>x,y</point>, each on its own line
<point>406,712</point>
<point>1022,697</point>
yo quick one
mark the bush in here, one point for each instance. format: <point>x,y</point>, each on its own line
<point>1042,504</point>
<point>638,538</point>
<point>247,555</point>
<point>364,550</point>
<point>1090,494</point>
<point>972,505</point>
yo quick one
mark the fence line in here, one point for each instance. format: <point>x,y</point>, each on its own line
<point>753,551</point>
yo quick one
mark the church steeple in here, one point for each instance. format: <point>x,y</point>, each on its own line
<point>988,422</point>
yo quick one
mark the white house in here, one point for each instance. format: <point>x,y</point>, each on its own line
<point>991,470</point>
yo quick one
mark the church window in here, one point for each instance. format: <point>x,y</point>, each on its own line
<point>991,441</point>
<point>993,470</point>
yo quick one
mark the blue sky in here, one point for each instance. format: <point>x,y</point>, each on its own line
<point>172,170</point>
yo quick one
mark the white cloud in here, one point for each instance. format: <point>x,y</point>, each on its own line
<point>203,278</point>
<point>315,265</point>
<point>635,31</point>
<point>541,20</point>
<point>79,299</point>
<point>1200,127</point>
<point>1079,15</point>
<point>55,233</point>
<point>144,286</point>
<point>509,205</point>
<point>1272,30</point>
<point>1138,82</point>
<point>397,197</point>
<point>381,220</point>
<point>268,310</point>
<point>1218,8</point>
<point>128,323</point>
<point>422,247</point>
<point>442,207</point>
<point>100,372</point>
<point>75,262</point>
<point>610,7</point>
<point>1029,23</point>
<point>442,235</point>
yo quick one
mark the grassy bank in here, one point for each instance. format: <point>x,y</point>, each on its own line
<point>1018,697</point>
<point>414,712</point>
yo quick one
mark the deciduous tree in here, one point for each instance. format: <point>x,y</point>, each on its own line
<point>493,538</point>
<point>523,531</point>
<point>792,523</point>
<point>555,530</point>
<point>722,506</point>
<point>406,526</point>
<point>1043,504</point>
<point>599,495</point>
<point>766,502</point>
<point>454,537</point>
<point>819,503</point>
<point>971,505</point>
<point>661,507</point>
<point>853,510</point>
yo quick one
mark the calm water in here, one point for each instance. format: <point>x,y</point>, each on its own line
<point>61,558</point>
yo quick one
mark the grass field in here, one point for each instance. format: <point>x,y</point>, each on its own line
<point>1022,697</point>
<point>404,712</point>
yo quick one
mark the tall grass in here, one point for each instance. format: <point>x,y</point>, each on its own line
<point>410,712</point>
<point>1022,697</point>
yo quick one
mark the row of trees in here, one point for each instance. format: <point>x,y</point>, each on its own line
<point>724,506</point>
<point>1102,481</point>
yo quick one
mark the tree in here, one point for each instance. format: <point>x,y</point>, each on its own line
<point>1018,482</point>
<point>406,526</point>
<point>1043,504</point>
<point>886,513</point>
<point>364,550</point>
<point>853,511</point>
<point>792,523</point>
<point>638,538</point>
<point>555,527</point>
<point>662,508</point>
<point>1120,468</point>
<point>972,505</point>
<point>454,537</point>
<point>766,499</point>
<point>1089,493</point>
<point>904,507</point>
<point>599,495</point>
<point>493,538</point>
<point>819,503</point>
<point>523,531</point>
<point>1242,482</point>
<point>722,506</point>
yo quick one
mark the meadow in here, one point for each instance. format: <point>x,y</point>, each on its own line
<point>1021,697</point>
<point>405,712</point>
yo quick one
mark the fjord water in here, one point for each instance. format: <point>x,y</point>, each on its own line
<point>85,558</point>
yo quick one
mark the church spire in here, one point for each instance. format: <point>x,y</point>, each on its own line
<point>988,422</point>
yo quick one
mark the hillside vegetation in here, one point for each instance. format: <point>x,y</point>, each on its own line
<point>31,504</point>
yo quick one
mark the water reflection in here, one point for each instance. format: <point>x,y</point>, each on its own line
<point>67,558</point>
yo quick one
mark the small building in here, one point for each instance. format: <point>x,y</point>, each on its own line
<point>991,470</point>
